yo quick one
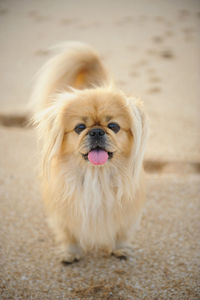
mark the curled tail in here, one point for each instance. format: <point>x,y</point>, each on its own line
<point>77,66</point>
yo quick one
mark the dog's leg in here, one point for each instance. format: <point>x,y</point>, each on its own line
<point>68,248</point>
<point>123,247</point>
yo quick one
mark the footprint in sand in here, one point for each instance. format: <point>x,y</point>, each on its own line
<point>154,90</point>
<point>3,11</point>
<point>69,21</point>
<point>154,79</point>
<point>12,120</point>
<point>156,166</point>
<point>36,16</point>
<point>41,52</point>
<point>158,39</point>
<point>188,33</point>
<point>183,14</point>
<point>169,33</point>
<point>165,53</point>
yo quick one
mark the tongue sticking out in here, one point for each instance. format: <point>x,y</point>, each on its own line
<point>98,157</point>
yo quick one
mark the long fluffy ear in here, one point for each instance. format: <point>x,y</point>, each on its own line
<point>50,133</point>
<point>139,130</point>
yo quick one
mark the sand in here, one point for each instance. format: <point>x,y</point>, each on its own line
<point>152,49</point>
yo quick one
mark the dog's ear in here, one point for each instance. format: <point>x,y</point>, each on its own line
<point>139,131</point>
<point>50,133</point>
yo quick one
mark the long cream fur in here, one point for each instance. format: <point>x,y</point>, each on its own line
<point>87,207</point>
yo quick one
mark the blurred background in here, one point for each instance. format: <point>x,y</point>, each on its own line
<point>152,48</point>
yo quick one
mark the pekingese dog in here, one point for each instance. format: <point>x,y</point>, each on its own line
<point>92,141</point>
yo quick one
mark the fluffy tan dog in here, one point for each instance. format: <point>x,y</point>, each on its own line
<point>92,146</point>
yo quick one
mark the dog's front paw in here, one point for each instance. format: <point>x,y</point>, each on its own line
<point>70,254</point>
<point>69,261</point>
<point>123,251</point>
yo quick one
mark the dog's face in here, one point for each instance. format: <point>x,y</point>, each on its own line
<point>97,128</point>
<point>94,127</point>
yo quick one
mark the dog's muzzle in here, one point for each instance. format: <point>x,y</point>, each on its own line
<point>98,155</point>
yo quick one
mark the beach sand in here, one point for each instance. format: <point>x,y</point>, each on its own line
<point>152,48</point>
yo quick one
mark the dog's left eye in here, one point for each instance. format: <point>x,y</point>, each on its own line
<point>79,128</point>
<point>114,127</point>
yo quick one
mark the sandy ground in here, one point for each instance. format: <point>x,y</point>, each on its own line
<point>152,49</point>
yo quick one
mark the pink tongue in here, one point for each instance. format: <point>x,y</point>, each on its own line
<point>98,157</point>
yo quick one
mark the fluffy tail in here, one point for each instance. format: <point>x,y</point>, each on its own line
<point>77,66</point>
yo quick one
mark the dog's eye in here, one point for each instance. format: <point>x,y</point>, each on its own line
<point>114,127</point>
<point>79,128</point>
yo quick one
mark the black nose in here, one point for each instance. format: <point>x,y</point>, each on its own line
<point>96,132</point>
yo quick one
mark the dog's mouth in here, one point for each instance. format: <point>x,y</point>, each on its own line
<point>98,156</point>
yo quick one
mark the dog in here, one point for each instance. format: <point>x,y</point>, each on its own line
<point>92,140</point>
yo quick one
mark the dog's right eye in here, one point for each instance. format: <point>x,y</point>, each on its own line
<point>79,128</point>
